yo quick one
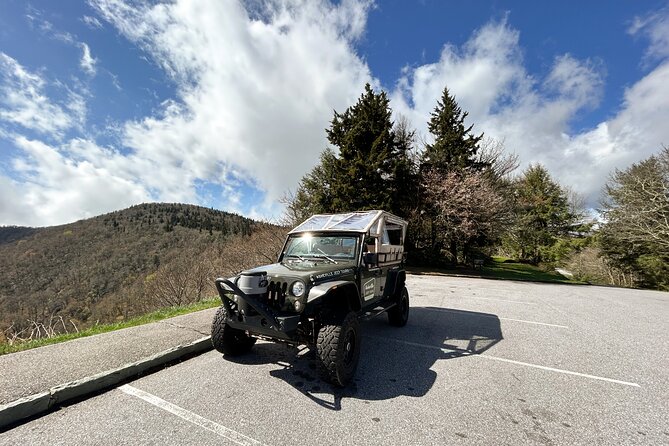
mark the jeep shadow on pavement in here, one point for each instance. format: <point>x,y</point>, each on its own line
<point>394,363</point>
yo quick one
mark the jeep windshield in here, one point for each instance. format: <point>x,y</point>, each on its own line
<point>333,248</point>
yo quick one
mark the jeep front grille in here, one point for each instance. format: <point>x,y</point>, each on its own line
<point>276,294</point>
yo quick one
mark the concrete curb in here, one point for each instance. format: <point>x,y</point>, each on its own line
<point>43,402</point>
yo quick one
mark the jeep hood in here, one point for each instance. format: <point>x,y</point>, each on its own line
<point>306,270</point>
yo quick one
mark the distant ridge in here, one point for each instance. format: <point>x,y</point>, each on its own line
<point>108,267</point>
<point>11,233</point>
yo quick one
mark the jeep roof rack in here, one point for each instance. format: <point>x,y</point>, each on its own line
<point>361,221</point>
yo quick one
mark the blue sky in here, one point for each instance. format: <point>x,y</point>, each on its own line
<point>107,103</point>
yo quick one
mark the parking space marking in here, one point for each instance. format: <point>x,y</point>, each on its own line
<point>464,352</point>
<point>189,416</point>
<point>533,322</point>
<point>503,318</point>
<point>566,372</point>
<point>499,300</point>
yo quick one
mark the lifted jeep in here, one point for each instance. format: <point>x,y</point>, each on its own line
<point>333,272</point>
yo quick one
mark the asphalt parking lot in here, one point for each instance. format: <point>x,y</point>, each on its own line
<point>480,362</point>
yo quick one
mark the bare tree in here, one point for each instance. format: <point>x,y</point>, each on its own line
<point>591,265</point>
<point>636,206</point>
<point>493,154</point>
<point>470,210</point>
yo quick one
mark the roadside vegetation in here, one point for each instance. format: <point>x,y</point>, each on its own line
<point>47,334</point>
<point>499,268</point>
<point>502,268</point>
<point>116,267</point>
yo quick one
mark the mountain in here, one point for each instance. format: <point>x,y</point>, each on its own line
<point>124,263</point>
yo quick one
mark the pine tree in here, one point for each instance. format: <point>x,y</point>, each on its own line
<point>366,141</point>
<point>542,214</point>
<point>373,169</point>
<point>453,152</point>
<point>454,147</point>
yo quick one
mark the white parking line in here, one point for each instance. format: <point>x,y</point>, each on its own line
<point>551,369</point>
<point>511,361</point>
<point>533,322</point>
<point>189,416</point>
<point>501,318</point>
<point>499,300</point>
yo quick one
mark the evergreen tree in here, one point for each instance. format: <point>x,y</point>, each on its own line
<point>453,152</point>
<point>315,193</point>
<point>454,147</point>
<point>373,169</point>
<point>542,214</point>
<point>366,141</point>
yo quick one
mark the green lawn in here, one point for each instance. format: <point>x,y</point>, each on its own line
<point>501,268</point>
<point>163,313</point>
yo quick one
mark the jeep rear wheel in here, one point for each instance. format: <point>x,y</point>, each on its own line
<point>228,340</point>
<point>338,347</point>
<point>399,314</point>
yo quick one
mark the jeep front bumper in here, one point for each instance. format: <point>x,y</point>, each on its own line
<point>266,322</point>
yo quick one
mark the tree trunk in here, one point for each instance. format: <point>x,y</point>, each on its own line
<point>454,252</point>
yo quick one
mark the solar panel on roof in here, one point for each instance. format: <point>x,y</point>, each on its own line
<point>354,221</point>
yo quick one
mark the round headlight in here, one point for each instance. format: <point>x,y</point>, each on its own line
<point>297,289</point>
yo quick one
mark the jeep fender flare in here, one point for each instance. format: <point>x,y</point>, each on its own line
<point>324,290</point>
<point>396,280</point>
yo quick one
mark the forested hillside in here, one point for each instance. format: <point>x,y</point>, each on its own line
<point>123,263</point>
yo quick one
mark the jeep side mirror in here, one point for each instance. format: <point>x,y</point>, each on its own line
<point>371,259</point>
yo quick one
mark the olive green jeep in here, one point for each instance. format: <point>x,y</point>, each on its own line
<point>333,271</point>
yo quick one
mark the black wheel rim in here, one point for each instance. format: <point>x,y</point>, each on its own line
<point>405,306</point>
<point>349,347</point>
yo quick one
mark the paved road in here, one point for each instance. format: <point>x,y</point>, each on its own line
<point>480,362</point>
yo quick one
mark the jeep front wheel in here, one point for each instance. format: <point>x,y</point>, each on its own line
<point>399,314</point>
<point>338,347</point>
<point>228,340</point>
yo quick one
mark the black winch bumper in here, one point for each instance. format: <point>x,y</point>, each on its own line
<point>267,322</point>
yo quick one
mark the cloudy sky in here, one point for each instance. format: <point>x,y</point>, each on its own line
<point>105,104</point>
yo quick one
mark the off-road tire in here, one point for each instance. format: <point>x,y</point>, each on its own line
<point>399,314</point>
<point>227,340</point>
<point>338,347</point>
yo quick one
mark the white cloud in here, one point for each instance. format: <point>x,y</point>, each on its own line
<point>92,22</point>
<point>532,115</point>
<point>655,26</point>
<point>87,62</point>
<point>255,95</point>
<point>55,186</point>
<point>255,89</point>
<point>23,101</point>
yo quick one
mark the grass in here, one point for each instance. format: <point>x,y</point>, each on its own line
<point>158,315</point>
<point>502,268</point>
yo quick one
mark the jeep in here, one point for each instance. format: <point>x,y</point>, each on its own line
<point>334,271</point>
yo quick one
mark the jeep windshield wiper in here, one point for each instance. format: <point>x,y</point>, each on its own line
<point>324,256</point>
<point>295,256</point>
